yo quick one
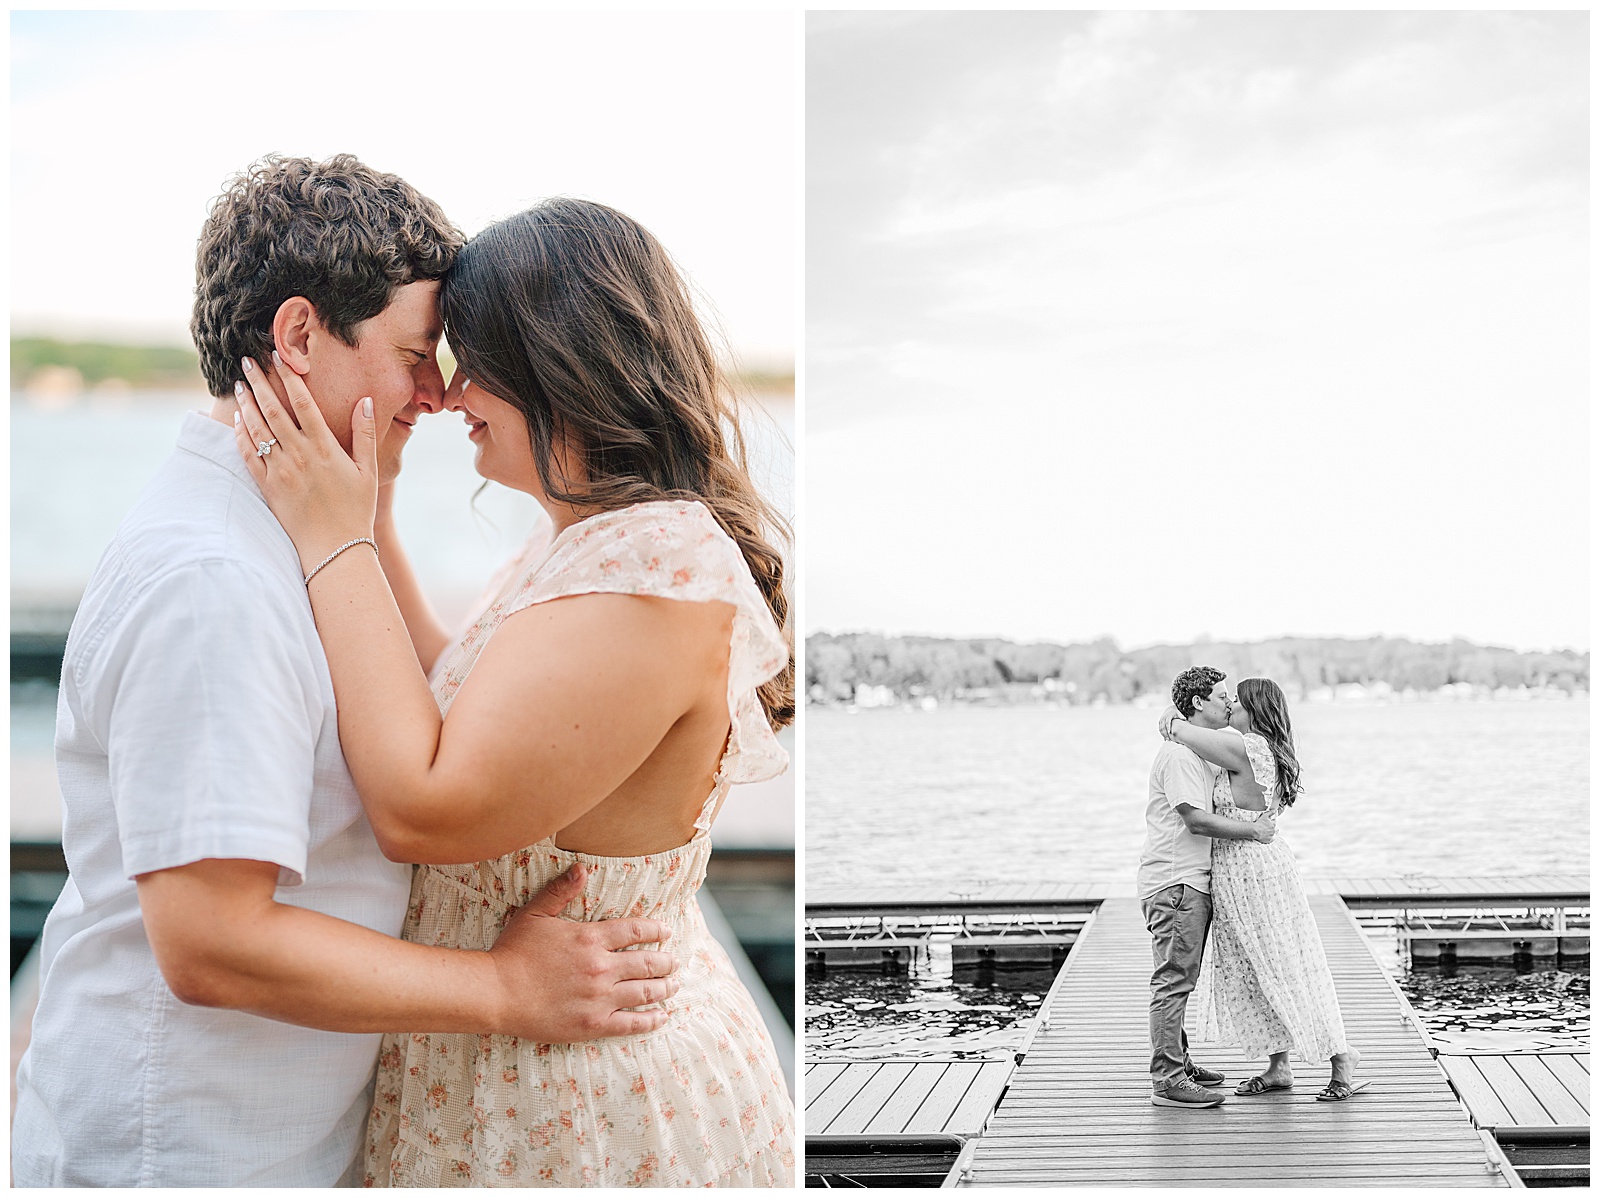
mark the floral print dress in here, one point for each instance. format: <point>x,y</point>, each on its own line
<point>1264,983</point>
<point>702,1101</point>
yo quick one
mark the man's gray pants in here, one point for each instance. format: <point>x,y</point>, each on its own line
<point>1177,917</point>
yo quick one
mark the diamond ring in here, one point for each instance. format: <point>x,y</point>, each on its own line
<point>265,447</point>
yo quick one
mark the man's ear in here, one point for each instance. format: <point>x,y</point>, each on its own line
<point>292,330</point>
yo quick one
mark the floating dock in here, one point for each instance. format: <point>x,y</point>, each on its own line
<point>1075,1110</point>
<point>1535,1105</point>
<point>1078,1109</point>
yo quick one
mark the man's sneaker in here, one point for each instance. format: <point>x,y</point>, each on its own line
<point>1203,1076</point>
<point>1185,1093</point>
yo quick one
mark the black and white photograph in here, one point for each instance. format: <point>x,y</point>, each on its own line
<point>1196,603</point>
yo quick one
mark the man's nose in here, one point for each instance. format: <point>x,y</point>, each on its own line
<point>429,393</point>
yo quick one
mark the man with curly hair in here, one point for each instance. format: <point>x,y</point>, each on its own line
<point>218,971</point>
<point>1175,886</point>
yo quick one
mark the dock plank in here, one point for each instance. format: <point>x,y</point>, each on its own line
<point>854,1116</point>
<point>837,1096</point>
<point>1564,1109</point>
<point>1514,1094</point>
<point>895,1117</point>
<point>980,1099</point>
<point>1568,1069</point>
<point>819,1077</point>
<point>940,1106</point>
<point>1077,1110</point>
<point>1477,1092</point>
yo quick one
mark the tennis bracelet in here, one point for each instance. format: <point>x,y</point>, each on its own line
<point>338,551</point>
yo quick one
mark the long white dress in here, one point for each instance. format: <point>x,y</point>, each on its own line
<point>1264,983</point>
<point>703,1100</point>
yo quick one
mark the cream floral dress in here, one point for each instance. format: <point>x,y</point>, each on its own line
<point>1264,983</point>
<point>700,1102</point>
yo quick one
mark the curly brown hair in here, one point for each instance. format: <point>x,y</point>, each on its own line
<point>339,233</point>
<point>1192,685</point>
<point>576,315</point>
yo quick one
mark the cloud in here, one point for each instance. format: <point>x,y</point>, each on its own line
<point>1056,260</point>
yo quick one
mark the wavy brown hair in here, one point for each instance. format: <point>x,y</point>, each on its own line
<point>576,316</point>
<point>344,236</point>
<point>1269,717</point>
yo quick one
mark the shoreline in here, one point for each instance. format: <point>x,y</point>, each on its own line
<point>1353,695</point>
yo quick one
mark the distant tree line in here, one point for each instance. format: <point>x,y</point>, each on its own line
<point>914,666</point>
<point>175,368</point>
<point>142,366</point>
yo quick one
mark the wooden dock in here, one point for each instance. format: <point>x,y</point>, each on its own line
<point>1526,1096</point>
<point>1078,1112</point>
<point>1535,1105</point>
<point>883,1099</point>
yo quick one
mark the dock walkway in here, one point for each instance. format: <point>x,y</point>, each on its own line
<point>1078,1111</point>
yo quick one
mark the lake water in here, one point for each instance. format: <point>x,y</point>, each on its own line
<point>77,468</point>
<point>980,795</point>
<point>935,1011</point>
<point>983,795</point>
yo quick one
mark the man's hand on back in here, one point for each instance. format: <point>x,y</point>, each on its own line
<point>576,981</point>
<point>1266,829</point>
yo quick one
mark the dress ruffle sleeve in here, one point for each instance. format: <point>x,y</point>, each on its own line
<point>675,549</point>
<point>1262,763</point>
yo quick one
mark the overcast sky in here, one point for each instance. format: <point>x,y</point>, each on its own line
<point>1170,324</point>
<point>125,125</point>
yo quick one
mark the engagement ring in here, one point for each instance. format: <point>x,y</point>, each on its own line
<point>265,447</point>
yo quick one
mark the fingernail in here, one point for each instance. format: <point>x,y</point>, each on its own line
<point>276,361</point>
<point>465,383</point>
<point>236,419</point>
<point>366,407</point>
<point>238,389</point>
<point>246,363</point>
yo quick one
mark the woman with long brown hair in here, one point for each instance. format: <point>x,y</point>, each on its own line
<point>627,669</point>
<point>1264,984</point>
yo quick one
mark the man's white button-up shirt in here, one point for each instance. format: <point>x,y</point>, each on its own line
<point>196,720</point>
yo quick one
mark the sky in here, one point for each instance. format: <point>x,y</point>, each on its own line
<point>125,125</point>
<point>1174,324</point>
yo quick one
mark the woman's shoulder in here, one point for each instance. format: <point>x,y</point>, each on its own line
<point>672,548</point>
<point>1263,762</point>
<point>1254,742</point>
<point>667,549</point>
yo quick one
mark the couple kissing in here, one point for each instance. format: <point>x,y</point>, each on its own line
<point>1228,917</point>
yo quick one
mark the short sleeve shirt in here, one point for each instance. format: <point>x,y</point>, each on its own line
<point>196,720</point>
<point>1173,854</point>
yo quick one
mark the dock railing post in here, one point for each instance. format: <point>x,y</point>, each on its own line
<point>962,1169</point>
<point>1497,1162</point>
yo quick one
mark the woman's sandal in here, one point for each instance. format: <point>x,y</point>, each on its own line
<point>1259,1085</point>
<point>1339,1091</point>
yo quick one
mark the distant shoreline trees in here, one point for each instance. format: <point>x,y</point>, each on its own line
<point>912,668</point>
<point>46,365</point>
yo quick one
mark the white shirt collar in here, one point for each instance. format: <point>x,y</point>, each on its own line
<point>213,440</point>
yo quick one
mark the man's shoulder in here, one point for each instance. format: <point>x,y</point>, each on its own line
<point>1173,753</point>
<point>193,513</point>
<point>191,540</point>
